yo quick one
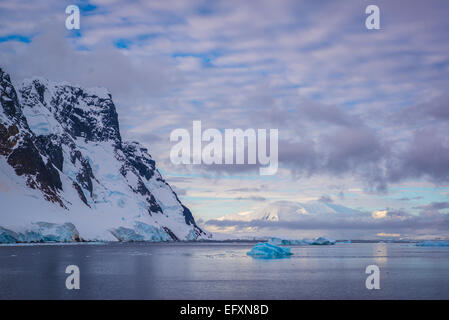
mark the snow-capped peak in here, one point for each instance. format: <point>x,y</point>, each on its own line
<point>65,164</point>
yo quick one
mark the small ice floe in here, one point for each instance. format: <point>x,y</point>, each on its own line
<point>321,241</point>
<point>433,244</point>
<point>344,241</point>
<point>266,250</point>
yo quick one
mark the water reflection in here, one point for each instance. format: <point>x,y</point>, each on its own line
<point>380,252</point>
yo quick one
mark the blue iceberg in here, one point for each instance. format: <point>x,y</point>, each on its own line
<point>433,244</point>
<point>291,242</point>
<point>321,241</point>
<point>266,250</point>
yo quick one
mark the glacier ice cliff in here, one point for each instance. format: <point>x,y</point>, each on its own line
<point>41,232</point>
<point>141,232</point>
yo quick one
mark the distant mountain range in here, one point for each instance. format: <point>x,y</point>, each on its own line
<point>67,175</point>
<point>290,211</point>
<point>284,219</point>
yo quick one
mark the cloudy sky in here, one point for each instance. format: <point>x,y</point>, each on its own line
<point>363,115</point>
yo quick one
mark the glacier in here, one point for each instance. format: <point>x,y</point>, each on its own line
<point>41,232</point>
<point>141,232</point>
<point>266,250</point>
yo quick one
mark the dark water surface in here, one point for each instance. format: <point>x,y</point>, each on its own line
<point>222,271</point>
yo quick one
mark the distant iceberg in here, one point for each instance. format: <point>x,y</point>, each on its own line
<point>279,241</point>
<point>266,250</point>
<point>344,241</point>
<point>321,241</point>
<point>316,241</point>
<point>433,244</point>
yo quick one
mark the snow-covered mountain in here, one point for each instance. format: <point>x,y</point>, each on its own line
<point>66,174</point>
<point>290,211</point>
<point>284,219</point>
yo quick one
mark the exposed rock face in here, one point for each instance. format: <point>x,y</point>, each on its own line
<point>20,146</point>
<point>65,141</point>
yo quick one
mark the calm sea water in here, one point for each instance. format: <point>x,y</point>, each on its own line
<point>222,271</point>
